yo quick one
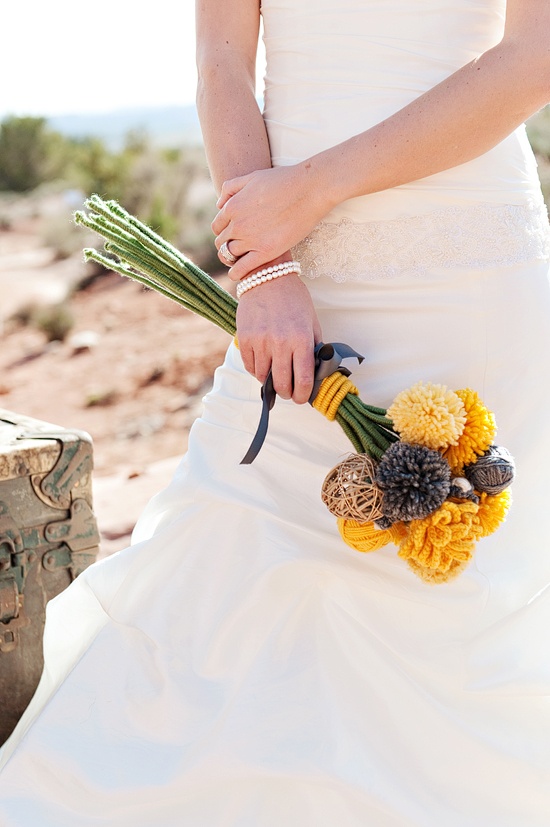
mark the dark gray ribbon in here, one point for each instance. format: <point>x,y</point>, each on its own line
<point>328,358</point>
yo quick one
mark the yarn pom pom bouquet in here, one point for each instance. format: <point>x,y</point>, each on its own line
<point>426,474</point>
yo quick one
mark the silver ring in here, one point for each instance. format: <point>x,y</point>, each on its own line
<point>226,253</point>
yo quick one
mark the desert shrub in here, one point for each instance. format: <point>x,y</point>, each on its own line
<point>100,398</point>
<point>24,314</point>
<point>93,168</point>
<point>64,237</point>
<point>170,189</point>
<point>538,129</point>
<point>161,220</point>
<point>22,153</point>
<point>54,321</point>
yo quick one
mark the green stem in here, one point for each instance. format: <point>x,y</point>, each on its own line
<point>382,425</point>
<point>109,264</point>
<point>375,410</point>
<point>128,246</point>
<point>164,268</point>
<point>154,278</point>
<point>367,444</point>
<point>148,238</point>
<point>350,433</point>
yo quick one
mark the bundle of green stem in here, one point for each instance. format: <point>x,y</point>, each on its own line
<point>137,252</point>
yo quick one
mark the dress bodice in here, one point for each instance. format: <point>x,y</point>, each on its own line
<point>336,69</point>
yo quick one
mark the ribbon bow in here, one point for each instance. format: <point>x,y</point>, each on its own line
<point>328,358</point>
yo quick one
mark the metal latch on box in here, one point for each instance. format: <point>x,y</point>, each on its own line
<point>78,531</point>
<point>15,558</point>
<point>73,463</point>
<point>11,608</point>
<point>75,539</point>
<point>78,534</point>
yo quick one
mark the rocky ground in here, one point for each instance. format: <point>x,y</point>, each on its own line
<point>131,372</point>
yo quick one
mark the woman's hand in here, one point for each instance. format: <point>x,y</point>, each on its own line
<point>277,329</point>
<point>267,212</point>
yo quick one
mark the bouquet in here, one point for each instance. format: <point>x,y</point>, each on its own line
<point>426,474</point>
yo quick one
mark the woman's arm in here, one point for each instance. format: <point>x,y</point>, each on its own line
<point>459,119</point>
<point>234,133</point>
<point>276,323</point>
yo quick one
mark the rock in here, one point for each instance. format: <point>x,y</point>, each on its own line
<point>82,341</point>
<point>143,426</point>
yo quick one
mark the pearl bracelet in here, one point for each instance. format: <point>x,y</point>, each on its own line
<point>267,274</point>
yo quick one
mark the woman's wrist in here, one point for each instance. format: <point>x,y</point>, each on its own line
<point>267,274</point>
<point>325,185</point>
<point>286,257</point>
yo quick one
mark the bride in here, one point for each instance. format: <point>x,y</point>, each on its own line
<point>239,664</point>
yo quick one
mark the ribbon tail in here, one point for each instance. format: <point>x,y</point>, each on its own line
<point>268,400</point>
<point>327,360</point>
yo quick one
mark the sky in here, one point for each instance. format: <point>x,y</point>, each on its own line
<point>59,57</point>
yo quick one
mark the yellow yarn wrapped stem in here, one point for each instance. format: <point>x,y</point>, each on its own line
<point>366,537</point>
<point>332,391</point>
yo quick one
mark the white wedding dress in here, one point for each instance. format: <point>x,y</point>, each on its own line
<point>239,665</point>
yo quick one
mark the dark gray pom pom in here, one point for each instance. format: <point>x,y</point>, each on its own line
<point>493,472</point>
<point>415,481</point>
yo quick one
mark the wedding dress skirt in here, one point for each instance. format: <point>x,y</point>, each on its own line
<point>239,665</point>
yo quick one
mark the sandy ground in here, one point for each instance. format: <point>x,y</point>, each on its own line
<point>132,373</point>
<point>30,273</point>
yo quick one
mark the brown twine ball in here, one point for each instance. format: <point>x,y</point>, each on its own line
<point>349,490</point>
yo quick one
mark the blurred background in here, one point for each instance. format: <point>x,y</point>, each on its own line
<point>100,98</point>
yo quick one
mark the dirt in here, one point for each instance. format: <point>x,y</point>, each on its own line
<point>131,372</point>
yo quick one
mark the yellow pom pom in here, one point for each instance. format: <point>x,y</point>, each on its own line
<point>366,537</point>
<point>478,434</point>
<point>492,511</point>
<point>429,415</point>
<point>447,535</point>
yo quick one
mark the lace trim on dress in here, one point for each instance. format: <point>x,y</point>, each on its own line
<point>479,236</point>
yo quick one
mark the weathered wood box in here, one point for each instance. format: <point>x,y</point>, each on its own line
<point>48,535</point>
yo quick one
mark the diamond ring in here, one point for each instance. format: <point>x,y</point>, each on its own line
<point>226,253</point>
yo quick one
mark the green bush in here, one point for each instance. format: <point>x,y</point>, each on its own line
<point>55,321</point>
<point>167,188</point>
<point>28,153</point>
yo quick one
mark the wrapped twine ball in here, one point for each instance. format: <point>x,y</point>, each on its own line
<point>415,481</point>
<point>349,490</point>
<point>493,472</point>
